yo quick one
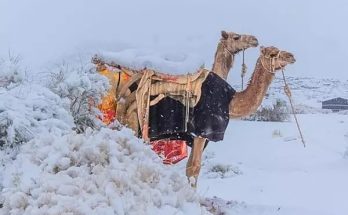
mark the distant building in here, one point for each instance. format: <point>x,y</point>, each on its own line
<point>336,104</point>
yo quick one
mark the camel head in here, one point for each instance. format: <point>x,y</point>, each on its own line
<point>237,42</point>
<point>276,59</point>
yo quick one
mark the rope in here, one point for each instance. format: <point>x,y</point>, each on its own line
<point>244,70</point>
<point>244,67</point>
<point>145,130</point>
<point>288,94</point>
<point>270,70</point>
<point>118,83</point>
<point>187,101</point>
<point>272,61</point>
<point>227,49</point>
<point>229,52</point>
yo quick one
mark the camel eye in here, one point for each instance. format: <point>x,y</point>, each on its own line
<point>236,37</point>
<point>273,55</point>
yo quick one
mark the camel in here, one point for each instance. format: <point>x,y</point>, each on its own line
<point>229,45</point>
<point>242,104</point>
<point>247,101</point>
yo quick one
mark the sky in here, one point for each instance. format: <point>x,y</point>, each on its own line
<point>45,32</point>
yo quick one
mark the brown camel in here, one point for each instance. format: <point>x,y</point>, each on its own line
<point>229,45</point>
<point>247,101</point>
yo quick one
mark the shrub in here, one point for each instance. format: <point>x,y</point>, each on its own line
<point>82,87</point>
<point>27,109</point>
<point>278,112</point>
<point>11,73</point>
<point>30,110</point>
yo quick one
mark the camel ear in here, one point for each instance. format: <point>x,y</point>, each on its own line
<point>224,34</point>
<point>262,49</point>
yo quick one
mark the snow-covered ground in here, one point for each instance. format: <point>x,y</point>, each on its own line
<point>275,173</point>
<point>102,172</point>
<point>259,168</point>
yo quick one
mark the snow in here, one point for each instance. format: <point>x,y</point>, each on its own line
<point>281,176</point>
<point>99,172</point>
<point>45,166</point>
<point>175,63</point>
<point>31,109</point>
<point>260,168</point>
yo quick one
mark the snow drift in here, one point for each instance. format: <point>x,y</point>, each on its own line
<point>99,172</point>
<point>47,168</point>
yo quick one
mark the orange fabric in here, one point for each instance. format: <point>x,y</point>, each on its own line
<point>109,104</point>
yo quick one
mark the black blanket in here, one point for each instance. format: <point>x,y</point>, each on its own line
<point>208,119</point>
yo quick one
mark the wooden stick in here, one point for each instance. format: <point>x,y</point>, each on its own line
<point>288,93</point>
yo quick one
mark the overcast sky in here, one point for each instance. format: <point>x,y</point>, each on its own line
<point>43,31</point>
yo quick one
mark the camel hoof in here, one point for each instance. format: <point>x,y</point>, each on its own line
<point>192,181</point>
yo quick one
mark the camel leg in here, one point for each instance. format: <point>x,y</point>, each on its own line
<point>193,165</point>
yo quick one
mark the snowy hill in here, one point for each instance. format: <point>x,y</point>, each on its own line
<point>307,93</point>
<point>311,91</point>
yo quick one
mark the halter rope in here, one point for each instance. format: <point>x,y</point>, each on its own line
<point>244,70</point>
<point>244,67</point>
<point>272,70</point>
<point>229,52</point>
<point>232,54</point>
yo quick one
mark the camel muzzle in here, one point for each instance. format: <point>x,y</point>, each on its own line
<point>254,42</point>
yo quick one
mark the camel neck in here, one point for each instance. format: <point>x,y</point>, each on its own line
<point>247,101</point>
<point>262,75</point>
<point>223,61</point>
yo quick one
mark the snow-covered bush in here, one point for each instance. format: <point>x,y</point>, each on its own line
<point>11,73</point>
<point>27,109</point>
<point>220,170</point>
<point>278,112</point>
<point>96,172</point>
<point>218,206</point>
<point>82,87</point>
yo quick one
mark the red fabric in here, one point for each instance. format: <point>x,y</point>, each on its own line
<point>171,151</point>
<point>108,116</point>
